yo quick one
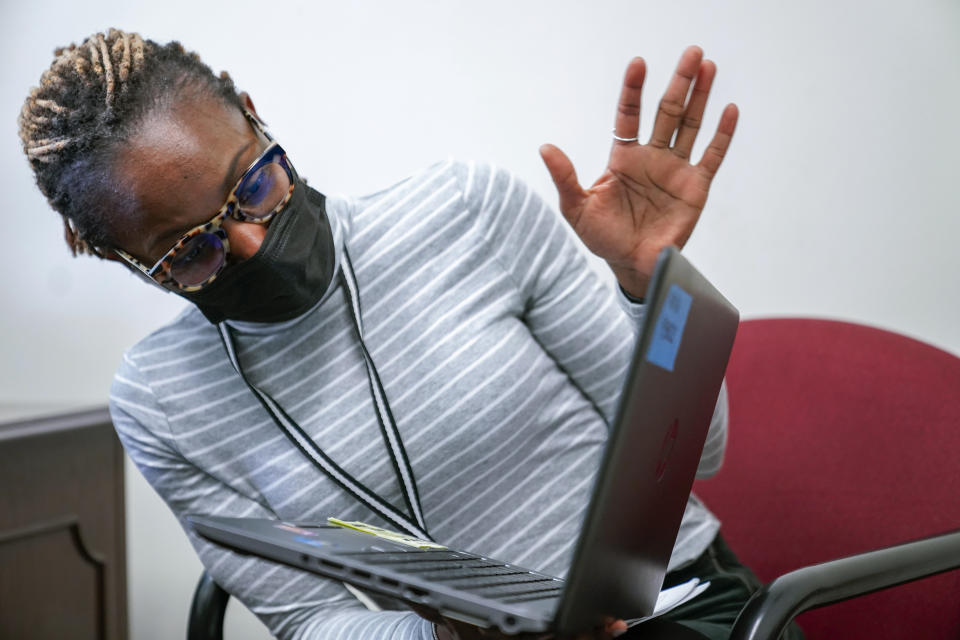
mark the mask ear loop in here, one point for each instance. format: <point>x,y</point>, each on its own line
<point>150,280</point>
<point>257,123</point>
<point>113,256</point>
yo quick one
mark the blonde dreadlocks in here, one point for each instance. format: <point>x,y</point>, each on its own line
<point>89,101</point>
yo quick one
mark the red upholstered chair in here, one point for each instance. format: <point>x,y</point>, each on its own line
<point>843,439</point>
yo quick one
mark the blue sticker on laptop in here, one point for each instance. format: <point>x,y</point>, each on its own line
<point>668,332</point>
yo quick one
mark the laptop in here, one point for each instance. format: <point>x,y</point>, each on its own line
<point>639,494</point>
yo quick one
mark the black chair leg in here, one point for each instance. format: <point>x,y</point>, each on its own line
<point>207,610</point>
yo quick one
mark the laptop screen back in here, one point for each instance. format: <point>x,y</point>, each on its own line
<point>652,455</point>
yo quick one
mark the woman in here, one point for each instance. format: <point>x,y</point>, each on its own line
<point>427,357</point>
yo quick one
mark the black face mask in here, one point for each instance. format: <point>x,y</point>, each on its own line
<point>288,274</point>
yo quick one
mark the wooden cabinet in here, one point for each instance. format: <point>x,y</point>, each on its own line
<point>62,541</point>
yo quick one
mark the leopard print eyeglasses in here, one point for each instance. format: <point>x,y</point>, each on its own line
<point>200,254</point>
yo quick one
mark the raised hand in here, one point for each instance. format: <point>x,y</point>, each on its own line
<point>650,195</point>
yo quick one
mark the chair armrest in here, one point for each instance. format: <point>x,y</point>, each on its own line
<point>207,610</point>
<point>771,609</point>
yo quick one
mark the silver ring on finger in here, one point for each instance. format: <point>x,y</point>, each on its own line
<point>622,139</point>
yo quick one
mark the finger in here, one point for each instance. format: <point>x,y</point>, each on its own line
<point>564,178</point>
<point>615,628</point>
<point>672,104</point>
<point>715,153</point>
<point>627,123</point>
<point>692,117</point>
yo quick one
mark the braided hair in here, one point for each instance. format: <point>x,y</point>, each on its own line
<point>90,100</point>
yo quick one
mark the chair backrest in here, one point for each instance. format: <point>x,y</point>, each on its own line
<point>843,438</point>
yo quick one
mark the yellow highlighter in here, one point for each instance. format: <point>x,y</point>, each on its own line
<point>392,536</point>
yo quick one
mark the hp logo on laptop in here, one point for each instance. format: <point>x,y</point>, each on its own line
<point>666,449</point>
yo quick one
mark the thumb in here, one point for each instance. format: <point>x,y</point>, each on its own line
<point>564,178</point>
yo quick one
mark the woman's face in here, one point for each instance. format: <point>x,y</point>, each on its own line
<point>180,166</point>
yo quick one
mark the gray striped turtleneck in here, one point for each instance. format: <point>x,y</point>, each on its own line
<point>502,355</point>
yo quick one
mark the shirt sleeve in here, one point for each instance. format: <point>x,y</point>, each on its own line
<point>586,324</point>
<point>293,604</point>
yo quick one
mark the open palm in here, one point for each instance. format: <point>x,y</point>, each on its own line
<point>649,196</point>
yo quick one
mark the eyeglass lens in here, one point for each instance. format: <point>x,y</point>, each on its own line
<point>196,261</point>
<point>263,190</point>
<point>258,195</point>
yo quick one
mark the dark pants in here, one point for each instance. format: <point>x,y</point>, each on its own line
<point>711,614</point>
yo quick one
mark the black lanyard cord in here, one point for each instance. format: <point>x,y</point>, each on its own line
<point>388,425</point>
<point>414,526</point>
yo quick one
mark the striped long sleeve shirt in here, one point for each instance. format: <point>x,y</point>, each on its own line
<point>502,355</point>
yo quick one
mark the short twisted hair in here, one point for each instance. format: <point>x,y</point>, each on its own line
<point>91,100</point>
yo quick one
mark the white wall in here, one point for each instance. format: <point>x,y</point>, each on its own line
<point>838,197</point>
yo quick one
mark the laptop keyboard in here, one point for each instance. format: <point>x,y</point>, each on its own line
<point>474,574</point>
